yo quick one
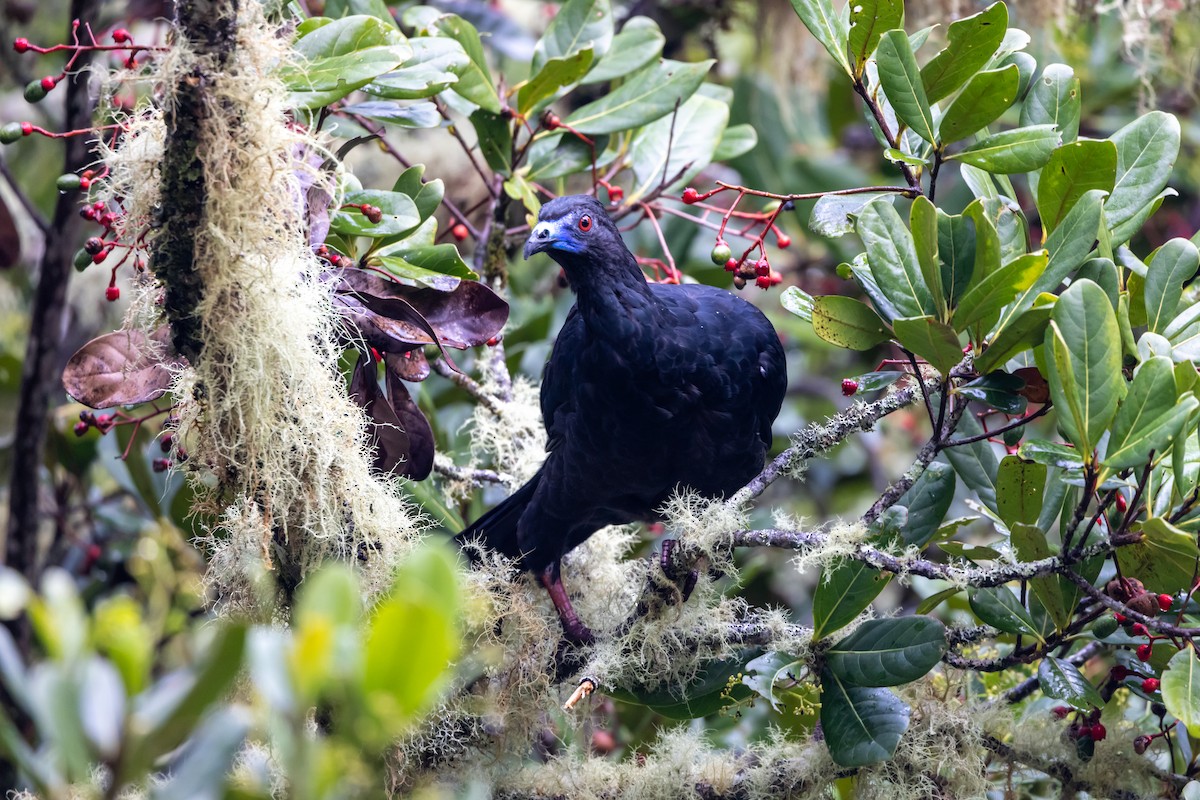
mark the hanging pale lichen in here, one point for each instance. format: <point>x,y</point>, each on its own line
<point>278,454</point>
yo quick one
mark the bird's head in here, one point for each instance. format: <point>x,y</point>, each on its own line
<point>572,227</point>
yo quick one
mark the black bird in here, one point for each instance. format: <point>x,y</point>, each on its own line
<point>649,388</point>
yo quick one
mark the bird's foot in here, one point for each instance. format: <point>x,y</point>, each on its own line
<point>688,583</point>
<point>574,631</point>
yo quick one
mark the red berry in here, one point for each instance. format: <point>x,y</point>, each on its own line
<point>49,82</point>
<point>492,342</point>
<point>93,245</point>
<point>21,44</point>
<point>85,183</point>
<point>26,128</point>
<point>553,122</point>
<point>849,387</point>
<point>762,282</point>
<point>1150,685</point>
<point>615,193</point>
<point>80,428</point>
<point>690,195</point>
<point>1139,629</point>
<point>1120,618</point>
<point>731,265</point>
<point>166,441</point>
<point>784,241</point>
<point>112,293</point>
<point>86,212</point>
<point>1098,732</point>
<point>1119,673</point>
<point>121,35</point>
<point>161,464</point>
<point>761,268</point>
<point>1141,744</point>
<point>1122,503</point>
<point>1164,602</point>
<point>776,278</point>
<point>460,232</point>
<point>1061,711</point>
<point>1144,652</point>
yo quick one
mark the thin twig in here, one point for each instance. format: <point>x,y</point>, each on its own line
<point>472,386</point>
<point>998,431</point>
<point>447,468</point>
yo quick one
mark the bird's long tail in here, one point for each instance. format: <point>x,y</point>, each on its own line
<point>498,527</point>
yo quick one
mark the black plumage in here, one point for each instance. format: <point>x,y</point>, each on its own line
<point>649,387</point>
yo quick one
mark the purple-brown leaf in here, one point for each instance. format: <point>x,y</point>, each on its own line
<point>410,365</point>
<point>420,435</point>
<point>391,442</point>
<point>121,368</point>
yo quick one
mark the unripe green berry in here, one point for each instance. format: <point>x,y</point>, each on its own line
<point>1104,627</point>
<point>34,91</point>
<point>10,133</point>
<point>844,271</point>
<point>68,183</point>
<point>83,260</point>
<point>720,254</point>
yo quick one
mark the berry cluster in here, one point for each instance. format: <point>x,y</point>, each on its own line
<point>103,423</point>
<point>757,226</point>
<point>374,214</point>
<point>334,258</point>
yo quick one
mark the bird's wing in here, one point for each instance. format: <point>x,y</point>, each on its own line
<point>557,377</point>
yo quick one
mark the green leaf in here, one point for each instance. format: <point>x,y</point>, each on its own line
<point>999,390</point>
<point>970,43</point>
<point>797,301</point>
<point>1000,608</point>
<point>868,20</point>
<point>414,115</point>
<point>1054,99</point>
<point>1090,382</point>
<point>934,341</point>
<point>1164,560</point>
<point>474,78</point>
<point>1173,264</point>
<point>331,595</point>
<point>934,600</point>
<point>862,726</point>
<point>923,219</point>
<point>697,129</point>
<point>975,463</point>
<point>999,289</point>
<point>1150,416</point>
<point>495,139</point>
<point>557,155</point>
<point>1181,689</point>
<point>199,773</point>
<point>714,687</point>
<point>1017,150</point>
<point>893,259</point>
<point>339,57</point>
<point>1073,170</point>
<point>736,140</point>
<point>579,25</point>
<point>888,652</point>
<point>1146,152</point>
<point>927,501</point>
<point>1019,488</point>
<point>400,214</point>
<point>437,266</point>
<point>843,591</point>
<point>956,252</point>
<point>430,70</point>
<point>847,322</point>
<point>1025,332</point>
<point>554,75</point>
<point>639,42</point>
<point>833,215</point>
<point>1030,544</point>
<point>1062,680</point>
<point>830,28</point>
<point>901,80</point>
<point>1052,454</point>
<point>645,97</point>
<point>985,97</point>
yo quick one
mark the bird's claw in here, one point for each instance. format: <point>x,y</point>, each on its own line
<point>688,583</point>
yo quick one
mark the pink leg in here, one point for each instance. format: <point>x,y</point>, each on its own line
<point>573,629</point>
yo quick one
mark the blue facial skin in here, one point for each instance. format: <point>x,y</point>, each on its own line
<point>552,236</point>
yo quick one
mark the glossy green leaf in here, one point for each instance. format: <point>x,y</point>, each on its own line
<point>901,80</point>
<point>985,97</point>
<point>436,266</point>
<point>1146,152</point>
<point>1090,382</point>
<point>999,607</point>
<point>868,21</point>
<point>579,25</point>
<point>927,501</point>
<point>1150,416</point>
<point>412,115</point>
<point>557,155</point>
<point>1164,560</point>
<point>934,341</point>
<point>400,214</point>
<point>998,390</point>
<point>999,289</point>
<point>494,133</point>
<point>1020,485</point>
<point>844,591</point>
<point>1030,544</point>
<point>1052,454</point>
<point>1062,680</point>
<point>888,652</point>
<point>553,75</point>
<point>834,215</point>
<point>829,27</point>
<point>1054,99</point>
<point>893,259</point>
<point>643,98</point>
<point>660,161</point>
<point>1017,150</point>
<point>970,43</point>
<point>341,56</point>
<point>430,70</point>
<point>862,725</point>
<point>713,688</point>
<point>987,243</point>
<point>1073,170</point>
<point>639,42</point>
<point>956,252</point>
<point>923,220</point>
<point>736,140</point>
<point>934,600</point>
<point>1024,333</point>
<point>1173,264</point>
<point>474,78</point>
<point>975,463</point>
<point>797,301</point>
<point>847,322</point>
<point>1181,689</point>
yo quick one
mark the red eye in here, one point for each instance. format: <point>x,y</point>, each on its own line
<point>585,223</point>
